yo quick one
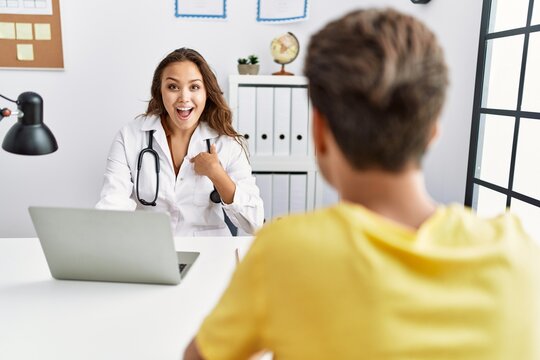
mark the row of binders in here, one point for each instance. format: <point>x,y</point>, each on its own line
<point>274,120</point>
<point>287,193</point>
<point>282,193</point>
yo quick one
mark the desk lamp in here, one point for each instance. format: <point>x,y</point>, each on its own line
<point>29,136</point>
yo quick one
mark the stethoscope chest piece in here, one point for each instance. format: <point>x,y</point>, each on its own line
<point>214,196</point>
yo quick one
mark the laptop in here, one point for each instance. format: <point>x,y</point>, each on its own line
<point>110,245</point>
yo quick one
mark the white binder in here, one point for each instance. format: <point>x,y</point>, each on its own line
<point>299,121</point>
<point>282,121</point>
<point>326,195</point>
<point>247,115</point>
<point>330,195</point>
<point>280,195</point>
<point>298,193</point>
<point>264,182</point>
<point>265,120</point>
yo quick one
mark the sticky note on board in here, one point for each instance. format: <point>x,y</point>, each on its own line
<point>42,31</point>
<point>25,52</point>
<point>7,30</point>
<point>24,31</point>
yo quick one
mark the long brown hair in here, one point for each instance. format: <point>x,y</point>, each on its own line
<point>216,112</point>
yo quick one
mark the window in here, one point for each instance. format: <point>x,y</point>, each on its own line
<point>504,157</point>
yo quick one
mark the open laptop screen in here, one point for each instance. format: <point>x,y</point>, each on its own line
<point>109,245</point>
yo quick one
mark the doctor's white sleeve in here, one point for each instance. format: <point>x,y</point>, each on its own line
<point>117,184</point>
<point>246,211</point>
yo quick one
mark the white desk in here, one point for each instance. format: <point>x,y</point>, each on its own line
<point>43,318</point>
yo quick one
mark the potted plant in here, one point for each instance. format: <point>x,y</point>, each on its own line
<point>249,65</point>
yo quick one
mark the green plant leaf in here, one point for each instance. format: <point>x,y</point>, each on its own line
<point>253,59</point>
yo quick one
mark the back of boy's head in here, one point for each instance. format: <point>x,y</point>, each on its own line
<point>379,78</point>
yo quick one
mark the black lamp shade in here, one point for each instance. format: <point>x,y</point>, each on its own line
<point>29,136</point>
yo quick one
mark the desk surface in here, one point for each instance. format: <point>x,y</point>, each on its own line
<point>44,318</point>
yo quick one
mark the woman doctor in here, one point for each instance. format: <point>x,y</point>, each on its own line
<point>183,156</point>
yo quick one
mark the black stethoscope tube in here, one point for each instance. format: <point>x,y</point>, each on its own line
<point>153,152</point>
<point>214,195</point>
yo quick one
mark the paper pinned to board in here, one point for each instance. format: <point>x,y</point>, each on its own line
<point>25,52</point>
<point>7,30</point>
<point>24,31</point>
<point>42,31</point>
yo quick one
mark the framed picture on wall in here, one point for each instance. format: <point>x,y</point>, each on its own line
<point>204,9</point>
<point>278,11</point>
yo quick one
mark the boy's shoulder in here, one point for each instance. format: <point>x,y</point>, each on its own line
<point>457,219</point>
<point>450,226</point>
<point>300,241</point>
<point>306,230</point>
<point>313,220</point>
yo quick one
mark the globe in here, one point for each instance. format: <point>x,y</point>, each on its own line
<point>284,50</point>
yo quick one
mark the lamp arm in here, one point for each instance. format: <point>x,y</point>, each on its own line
<point>8,99</point>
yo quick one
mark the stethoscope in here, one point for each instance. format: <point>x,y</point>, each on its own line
<point>214,195</point>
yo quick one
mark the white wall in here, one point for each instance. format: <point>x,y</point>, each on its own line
<point>111,49</point>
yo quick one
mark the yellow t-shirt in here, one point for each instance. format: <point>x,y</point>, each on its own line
<point>346,283</point>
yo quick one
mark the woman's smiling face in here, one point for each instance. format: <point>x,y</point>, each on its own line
<point>184,95</point>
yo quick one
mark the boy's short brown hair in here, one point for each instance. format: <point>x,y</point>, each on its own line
<point>379,78</point>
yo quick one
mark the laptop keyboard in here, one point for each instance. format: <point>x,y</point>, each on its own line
<point>181,267</point>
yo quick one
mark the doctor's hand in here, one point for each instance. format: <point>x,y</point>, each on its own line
<point>208,164</point>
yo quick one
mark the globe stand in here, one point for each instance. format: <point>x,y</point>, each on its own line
<point>282,71</point>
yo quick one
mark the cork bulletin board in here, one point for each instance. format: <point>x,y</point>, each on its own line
<point>30,34</point>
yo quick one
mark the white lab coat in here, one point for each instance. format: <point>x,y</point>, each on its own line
<point>186,197</point>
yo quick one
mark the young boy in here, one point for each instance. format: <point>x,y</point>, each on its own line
<point>387,273</point>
